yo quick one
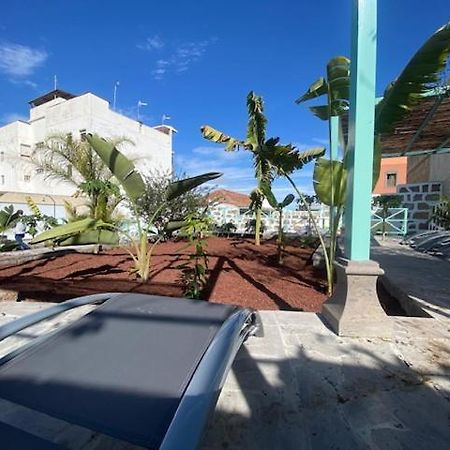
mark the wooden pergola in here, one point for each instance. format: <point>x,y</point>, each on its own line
<point>424,131</point>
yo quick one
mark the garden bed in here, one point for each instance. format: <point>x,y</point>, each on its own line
<point>240,273</point>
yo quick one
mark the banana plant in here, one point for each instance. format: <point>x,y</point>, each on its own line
<point>134,186</point>
<point>264,152</point>
<point>278,206</point>
<point>7,218</point>
<point>255,142</point>
<point>420,76</point>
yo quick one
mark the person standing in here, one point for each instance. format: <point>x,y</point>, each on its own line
<point>19,232</point>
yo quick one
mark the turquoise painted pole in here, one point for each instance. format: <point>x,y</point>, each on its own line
<point>361,129</point>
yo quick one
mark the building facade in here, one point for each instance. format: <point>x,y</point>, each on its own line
<point>60,112</point>
<point>393,172</point>
<point>233,207</point>
<point>434,168</point>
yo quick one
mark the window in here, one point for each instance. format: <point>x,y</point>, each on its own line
<point>39,170</point>
<point>25,150</point>
<point>83,134</point>
<point>2,179</point>
<point>391,179</point>
<point>2,156</point>
<point>27,178</point>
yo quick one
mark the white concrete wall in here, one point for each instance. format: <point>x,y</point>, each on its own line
<point>152,149</point>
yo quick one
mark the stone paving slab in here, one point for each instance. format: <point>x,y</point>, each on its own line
<point>415,278</point>
<point>302,387</point>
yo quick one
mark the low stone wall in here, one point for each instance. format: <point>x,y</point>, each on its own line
<point>21,257</point>
<point>293,221</point>
<point>419,198</point>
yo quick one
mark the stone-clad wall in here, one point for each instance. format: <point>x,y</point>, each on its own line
<point>419,198</point>
<point>293,221</point>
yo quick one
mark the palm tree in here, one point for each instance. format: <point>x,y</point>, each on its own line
<point>265,152</point>
<point>74,161</point>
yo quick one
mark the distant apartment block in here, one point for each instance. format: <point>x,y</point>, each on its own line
<point>61,112</point>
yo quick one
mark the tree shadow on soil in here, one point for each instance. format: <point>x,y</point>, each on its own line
<point>219,267</point>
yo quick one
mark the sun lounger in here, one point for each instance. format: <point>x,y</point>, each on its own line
<point>144,369</point>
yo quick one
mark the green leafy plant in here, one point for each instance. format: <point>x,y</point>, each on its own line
<point>420,76</point>
<point>194,274</point>
<point>153,206</point>
<point>134,186</point>
<point>279,206</point>
<point>8,218</point>
<point>250,226</point>
<point>262,149</point>
<point>441,214</point>
<point>74,161</point>
<point>37,219</point>
<point>226,228</point>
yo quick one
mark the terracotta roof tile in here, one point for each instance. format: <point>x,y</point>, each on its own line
<point>230,197</point>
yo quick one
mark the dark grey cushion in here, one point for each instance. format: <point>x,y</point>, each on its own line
<point>120,370</point>
<point>14,439</point>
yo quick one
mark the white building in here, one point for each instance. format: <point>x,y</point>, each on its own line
<point>61,112</point>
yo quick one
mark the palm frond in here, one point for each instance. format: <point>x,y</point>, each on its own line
<point>286,158</point>
<point>216,136</point>
<point>256,128</point>
<point>421,74</point>
<point>317,89</point>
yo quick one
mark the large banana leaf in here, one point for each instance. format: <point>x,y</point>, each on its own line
<point>267,191</point>
<point>99,236</point>
<point>256,128</point>
<point>69,229</point>
<point>376,161</point>
<point>421,74</point>
<point>273,202</point>
<point>327,174</point>
<point>338,77</point>
<point>317,89</point>
<point>218,137</point>
<point>286,201</point>
<point>322,111</point>
<point>286,158</point>
<point>336,87</point>
<point>178,188</point>
<point>7,217</point>
<point>121,167</point>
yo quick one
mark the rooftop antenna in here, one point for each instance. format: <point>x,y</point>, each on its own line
<point>164,118</point>
<point>139,104</point>
<point>116,84</point>
<point>55,81</point>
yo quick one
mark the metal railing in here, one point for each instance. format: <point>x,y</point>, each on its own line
<point>394,221</point>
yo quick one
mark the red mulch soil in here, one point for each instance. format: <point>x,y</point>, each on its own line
<point>240,273</point>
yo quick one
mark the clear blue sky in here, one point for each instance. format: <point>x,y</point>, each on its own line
<point>197,60</point>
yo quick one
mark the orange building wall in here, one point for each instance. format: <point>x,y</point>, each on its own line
<point>397,165</point>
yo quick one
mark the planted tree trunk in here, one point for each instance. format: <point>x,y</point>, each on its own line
<point>257,226</point>
<point>280,238</point>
